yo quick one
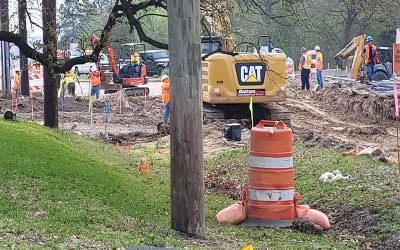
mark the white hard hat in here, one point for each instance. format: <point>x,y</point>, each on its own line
<point>317,48</point>
<point>163,77</point>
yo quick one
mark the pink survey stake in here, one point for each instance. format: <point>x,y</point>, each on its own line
<point>396,99</point>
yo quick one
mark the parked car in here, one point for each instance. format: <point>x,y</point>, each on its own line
<point>265,49</point>
<point>85,68</point>
<point>156,61</point>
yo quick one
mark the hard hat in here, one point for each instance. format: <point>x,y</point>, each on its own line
<point>369,39</point>
<point>303,49</point>
<point>317,48</point>
<point>163,77</point>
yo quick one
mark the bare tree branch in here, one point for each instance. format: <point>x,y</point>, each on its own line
<point>31,21</point>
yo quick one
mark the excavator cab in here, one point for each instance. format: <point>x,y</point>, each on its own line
<point>265,44</point>
<point>352,57</point>
<point>383,70</point>
<point>131,71</point>
<point>210,44</point>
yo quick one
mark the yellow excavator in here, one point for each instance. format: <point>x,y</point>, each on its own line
<point>352,57</point>
<point>231,79</point>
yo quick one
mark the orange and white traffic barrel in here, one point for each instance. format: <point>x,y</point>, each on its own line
<point>270,190</point>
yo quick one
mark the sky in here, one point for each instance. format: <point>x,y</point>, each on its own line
<point>34,9</point>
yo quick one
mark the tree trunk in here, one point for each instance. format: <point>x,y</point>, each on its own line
<point>23,60</point>
<point>49,77</point>
<point>4,25</point>
<point>4,62</point>
<point>187,183</point>
<point>351,16</point>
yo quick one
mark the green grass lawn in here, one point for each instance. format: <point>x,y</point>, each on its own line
<point>74,192</point>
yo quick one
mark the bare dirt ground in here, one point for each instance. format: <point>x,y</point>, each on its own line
<point>337,116</point>
<point>341,115</point>
<point>133,120</point>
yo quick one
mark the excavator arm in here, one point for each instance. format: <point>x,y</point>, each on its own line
<point>355,47</point>
<point>215,14</point>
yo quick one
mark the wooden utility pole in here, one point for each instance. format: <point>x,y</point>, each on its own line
<point>187,183</point>
<point>49,76</point>
<point>23,60</point>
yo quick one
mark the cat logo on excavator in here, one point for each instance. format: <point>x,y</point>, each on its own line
<point>250,73</point>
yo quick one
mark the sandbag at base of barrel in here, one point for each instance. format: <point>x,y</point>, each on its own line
<point>315,216</point>
<point>234,214</point>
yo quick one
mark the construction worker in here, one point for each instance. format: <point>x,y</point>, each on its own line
<point>16,83</point>
<point>319,67</point>
<point>95,82</point>
<point>305,68</point>
<point>370,58</point>
<point>165,97</point>
<point>135,60</point>
<point>70,81</point>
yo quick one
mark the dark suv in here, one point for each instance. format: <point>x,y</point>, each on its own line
<point>156,61</point>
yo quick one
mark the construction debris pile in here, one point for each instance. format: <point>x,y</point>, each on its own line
<point>354,102</point>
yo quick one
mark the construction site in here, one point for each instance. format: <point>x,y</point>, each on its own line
<point>224,139</point>
<point>365,118</point>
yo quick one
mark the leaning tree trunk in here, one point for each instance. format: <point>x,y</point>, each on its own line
<point>23,60</point>
<point>49,76</point>
<point>187,183</point>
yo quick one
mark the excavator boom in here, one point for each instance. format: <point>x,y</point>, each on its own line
<point>356,46</point>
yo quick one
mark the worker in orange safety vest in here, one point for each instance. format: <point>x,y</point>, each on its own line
<point>370,57</point>
<point>319,66</point>
<point>165,98</point>
<point>95,82</point>
<point>16,83</point>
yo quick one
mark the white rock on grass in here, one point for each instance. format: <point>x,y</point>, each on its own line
<point>336,175</point>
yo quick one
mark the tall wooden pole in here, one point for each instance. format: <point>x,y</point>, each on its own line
<point>23,60</point>
<point>187,184</point>
<point>49,77</point>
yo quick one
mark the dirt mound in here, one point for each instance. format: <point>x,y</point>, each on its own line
<point>367,131</point>
<point>392,242</point>
<point>128,138</point>
<point>220,181</point>
<point>355,220</point>
<point>357,106</point>
<point>306,226</point>
<point>311,138</point>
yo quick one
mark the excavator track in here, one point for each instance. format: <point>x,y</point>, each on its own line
<point>137,91</point>
<point>265,111</point>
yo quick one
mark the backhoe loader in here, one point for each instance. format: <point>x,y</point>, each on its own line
<point>352,56</point>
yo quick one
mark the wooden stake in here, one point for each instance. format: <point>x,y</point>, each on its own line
<point>398,147</point>
<point>32,107</point>
<point>120,101</point>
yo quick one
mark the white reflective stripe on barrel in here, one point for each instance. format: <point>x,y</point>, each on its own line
<point>271,162</point>
<point>270,195</point>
